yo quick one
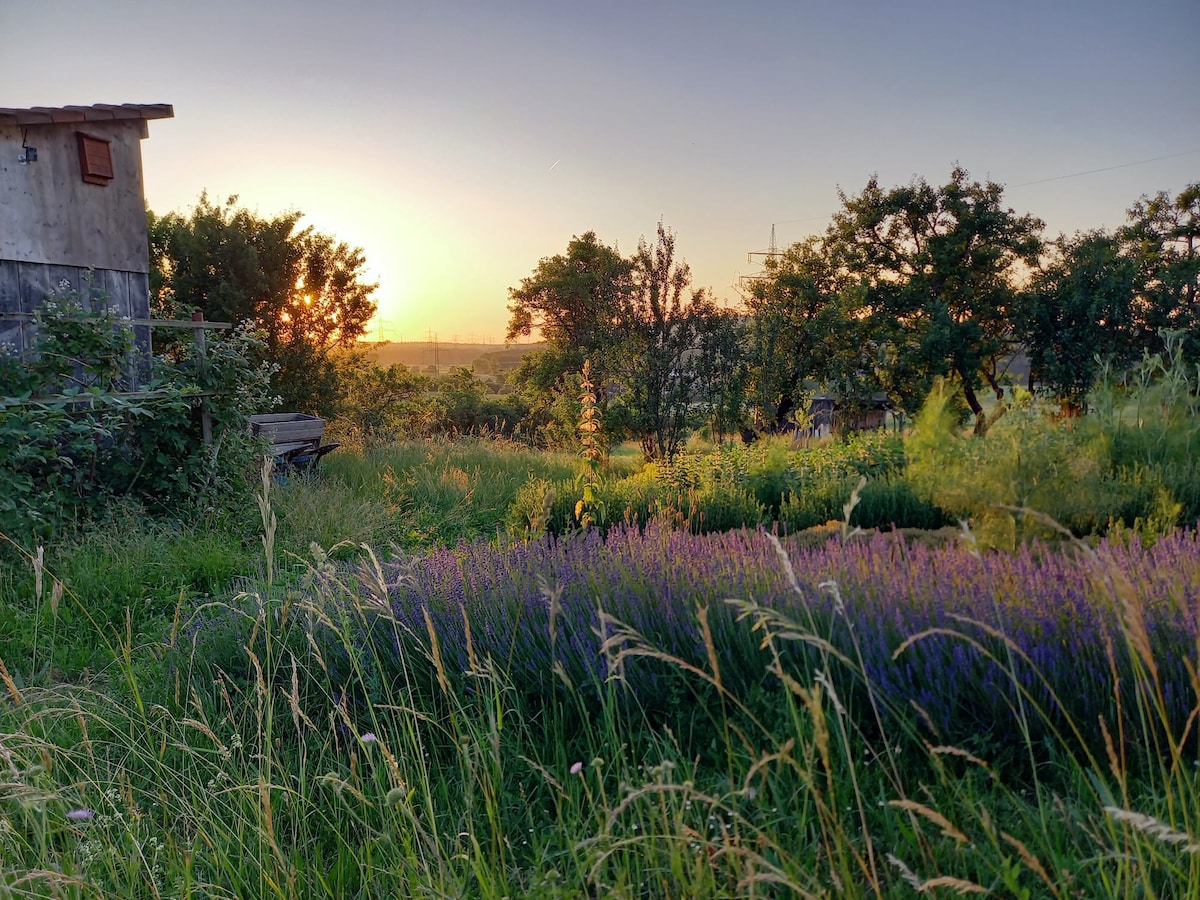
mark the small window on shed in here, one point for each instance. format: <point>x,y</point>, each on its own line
<point>95,159</point>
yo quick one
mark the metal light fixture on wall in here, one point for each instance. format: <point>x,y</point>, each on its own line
<point>29,154</point>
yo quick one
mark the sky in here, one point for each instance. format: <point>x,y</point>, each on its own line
<point>458,143</point>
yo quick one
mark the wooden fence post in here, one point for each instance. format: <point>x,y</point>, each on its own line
<point>205,415</point>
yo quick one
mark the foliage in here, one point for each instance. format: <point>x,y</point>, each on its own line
<point>805,329</point>
<point>574,300</point>
<point>1127,465</point>
<point>1106,298</point>
<point>723,376</point>
<point>588,509</point>
<point>1080,313</point>
<point>736,486</point>
<point>1148,419</point>
<point>1149,413</point>
<point>75,442</point>
<point>660,333</point>
<point>907,285</point>
<point>1027,461</point>
<point>1162,237</point>
<point>301,289</point>
<point>939,266</point>
<point>374,405</point>
<point>593,716</point>
<point>551,396</point>
<point>658,356</point>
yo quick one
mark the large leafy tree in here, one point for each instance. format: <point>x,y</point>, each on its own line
<point>723,372</point>
<point>1109,297</point>
<point>655,345</point>
<point>573,300</point>
<point>939,266</point>
<point>1162,237</point>
<point>805,328</point>
<point>1080,312</point>
<point>304,291</point>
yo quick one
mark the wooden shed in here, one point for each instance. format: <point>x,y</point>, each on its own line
<point>73,211</point>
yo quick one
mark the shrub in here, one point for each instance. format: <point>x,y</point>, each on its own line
<point>72,440</point>
<point>1027,460</point>
<point>887,503</point>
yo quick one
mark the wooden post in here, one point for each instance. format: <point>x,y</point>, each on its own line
<point>205,415</point>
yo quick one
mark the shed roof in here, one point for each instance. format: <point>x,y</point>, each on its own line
<point>100,112</point>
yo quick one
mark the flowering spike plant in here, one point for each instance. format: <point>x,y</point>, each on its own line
<point>968,640</point>
<point>589,507</point>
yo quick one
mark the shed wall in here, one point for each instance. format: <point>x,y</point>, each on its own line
<point>49,215</point>
<point>24,286</point>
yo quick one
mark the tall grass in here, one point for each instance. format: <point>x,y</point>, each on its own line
<point>322,738</point>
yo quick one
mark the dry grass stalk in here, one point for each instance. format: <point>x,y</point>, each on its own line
<point>1160,831</point>
<point>959,885</point>
<point>437,652</point>
<point>710,646</point>
<point>906,873</point>
<point>1031,861</point>
<point>11,686</point>
<point>948,829</point>
<point>944,750</point>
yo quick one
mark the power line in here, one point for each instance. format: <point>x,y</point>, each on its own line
<point>1140,162</point>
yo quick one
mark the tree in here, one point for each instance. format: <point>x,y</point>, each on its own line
<point>661,346</point>
<point>805,326</point>
<point>574,300</point>
<point>1080,311</point>
<point>1162,236</point>
<point>649,342</point>
<point>1111,297</point>
<point>939,265</point>
<point>722,372</point>
<point>303,290</point>
<point>377,404</point>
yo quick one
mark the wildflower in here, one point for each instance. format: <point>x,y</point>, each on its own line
<point>79,815</point>
<point>576,768</point>
<point>369,738</point>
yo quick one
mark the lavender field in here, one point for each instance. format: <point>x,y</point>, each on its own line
<point>960,641</point>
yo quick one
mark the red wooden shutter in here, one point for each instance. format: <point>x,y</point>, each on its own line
<point>95,159</point>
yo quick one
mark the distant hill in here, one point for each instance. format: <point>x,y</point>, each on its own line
<point>486,359</point>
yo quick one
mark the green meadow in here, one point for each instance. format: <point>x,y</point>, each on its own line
<point>407,675</point>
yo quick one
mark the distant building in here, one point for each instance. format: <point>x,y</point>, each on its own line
<point>71,202</point>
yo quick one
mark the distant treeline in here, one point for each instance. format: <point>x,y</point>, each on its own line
<point>485,359</point>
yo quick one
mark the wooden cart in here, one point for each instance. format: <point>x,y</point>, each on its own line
<point>295,439</point>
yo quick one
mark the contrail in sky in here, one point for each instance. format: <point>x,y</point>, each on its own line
<point>556,162</point>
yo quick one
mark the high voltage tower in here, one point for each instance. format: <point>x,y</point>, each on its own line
<point>433,339</point>
<point>772,252</point>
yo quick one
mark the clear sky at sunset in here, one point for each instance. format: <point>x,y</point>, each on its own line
<point>459,142</point>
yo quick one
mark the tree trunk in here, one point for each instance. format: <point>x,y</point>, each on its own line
<point>649,447</point>
<point>786,405</point>
<point>981,420</point>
